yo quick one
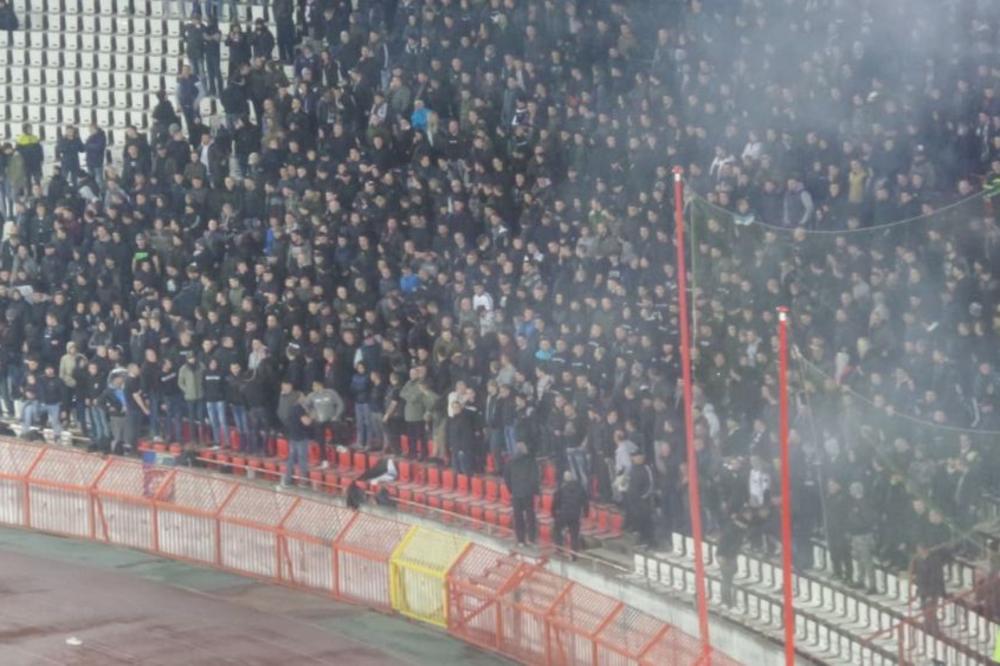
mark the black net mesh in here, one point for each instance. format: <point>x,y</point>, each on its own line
<point>892,376</point>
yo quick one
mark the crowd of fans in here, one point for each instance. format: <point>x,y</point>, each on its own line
<point>454,219</point>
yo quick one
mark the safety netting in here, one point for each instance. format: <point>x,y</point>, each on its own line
<point>894,312</point>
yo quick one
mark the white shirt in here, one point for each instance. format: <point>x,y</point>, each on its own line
<point>760,483</point>
<point>484,300</point>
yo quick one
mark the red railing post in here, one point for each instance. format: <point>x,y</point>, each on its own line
<point>218,523</point>
<point>694,495</point>
<point>27,485</point>
<point>786,489</point>
<point>281,543</point>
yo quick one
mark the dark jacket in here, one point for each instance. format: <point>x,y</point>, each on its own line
<point>570,502</point>
<point>360,388</point>
<point>522,476</point>
<point>641,485</point>
<point>50,390</point>
<point>110,400</point>
<point>235,385</point>
<point>214,386</point>
<point>295,429</point>
<point>461,430</point>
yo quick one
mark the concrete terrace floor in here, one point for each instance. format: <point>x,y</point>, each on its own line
<point>129,607</point>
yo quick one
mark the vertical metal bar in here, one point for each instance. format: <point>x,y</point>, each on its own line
<point>694,498</point>
<point>27,489</point>
<point>786,489</point>
<point>218,524</point>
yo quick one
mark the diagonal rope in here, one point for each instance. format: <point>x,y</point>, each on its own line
<point>695,197</point>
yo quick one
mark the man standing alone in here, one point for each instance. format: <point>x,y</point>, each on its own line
<point>523,479</point>
<point>569,505</point>
<point>299,429</point>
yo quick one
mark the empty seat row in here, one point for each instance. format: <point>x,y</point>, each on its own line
<point>49,120</point>
<point>23,82</point>
<point>96,98</point>
<point>104,8</point>
<point>114,56</point>
<point>86,63</point>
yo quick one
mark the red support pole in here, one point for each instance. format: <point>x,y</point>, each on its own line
<point>786,488</point>
<point>694,496</point>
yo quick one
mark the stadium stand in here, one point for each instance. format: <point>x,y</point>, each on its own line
<point>403,236</point>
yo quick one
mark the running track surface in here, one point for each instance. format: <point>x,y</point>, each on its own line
<point>127,607</point>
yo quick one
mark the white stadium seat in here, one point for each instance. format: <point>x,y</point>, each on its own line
<point>52,115</point>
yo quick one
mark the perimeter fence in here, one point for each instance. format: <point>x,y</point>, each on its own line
<point>493,599</point>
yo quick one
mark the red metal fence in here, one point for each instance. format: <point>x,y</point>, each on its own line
<point>492,599</point>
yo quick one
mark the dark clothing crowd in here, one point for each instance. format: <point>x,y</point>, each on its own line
<point>452,221</point>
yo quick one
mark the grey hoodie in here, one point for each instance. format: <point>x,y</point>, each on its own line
<point>325,405</point>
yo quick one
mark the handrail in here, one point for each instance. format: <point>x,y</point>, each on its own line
<point>765,610</point>
<point>863,610</point>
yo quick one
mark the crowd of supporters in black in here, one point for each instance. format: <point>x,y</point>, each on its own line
<point>455,218</point>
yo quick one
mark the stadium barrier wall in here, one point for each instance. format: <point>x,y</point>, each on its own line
<point>486,597</point>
